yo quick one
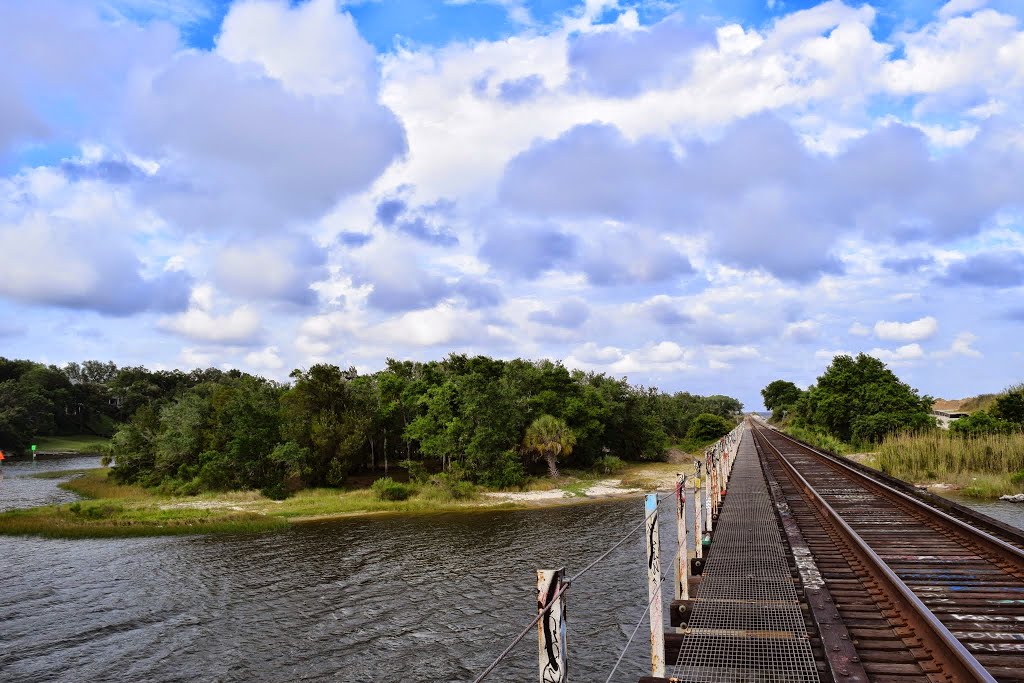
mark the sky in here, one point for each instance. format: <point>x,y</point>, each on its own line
<point>703,195</point>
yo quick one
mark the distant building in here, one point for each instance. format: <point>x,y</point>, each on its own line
<point>944,417</point>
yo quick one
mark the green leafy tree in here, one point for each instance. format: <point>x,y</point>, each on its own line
<point>1010,405</point>
<point>779,394</point>
<point>860,398</point>
<point>549,438</point>
<point>322,413</point>
<point>706,427</point>
<point>981,422</point>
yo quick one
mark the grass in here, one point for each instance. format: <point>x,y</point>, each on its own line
<point>984,466</point>
<point>817,439</point>
<point>115,510</point>
<point>111,509</point>
<point>694,446</point>
<point>79,443</point>
<point>59,474</point>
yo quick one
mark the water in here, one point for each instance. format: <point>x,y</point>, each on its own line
<point>428,598</point>
<point>1004,511</point>
<point>19,489</point>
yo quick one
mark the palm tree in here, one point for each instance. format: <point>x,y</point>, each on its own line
<point>549,437</point>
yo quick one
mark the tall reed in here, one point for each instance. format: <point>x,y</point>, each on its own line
<point>941,456</point>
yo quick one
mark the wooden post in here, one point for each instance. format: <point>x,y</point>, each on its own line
<point>707,498</point>
<point>698,511</point>
<point>713,471</point>
<point>551,627</point>
<point>654,587</point>
<point>682,591</point>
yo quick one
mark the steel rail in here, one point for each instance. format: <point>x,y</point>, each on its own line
<point>967,667</point>
<point>974,534</point>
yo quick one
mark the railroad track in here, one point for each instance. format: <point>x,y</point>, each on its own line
<point>898,591</point>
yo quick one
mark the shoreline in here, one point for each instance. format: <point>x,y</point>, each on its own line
<point>111,510</point>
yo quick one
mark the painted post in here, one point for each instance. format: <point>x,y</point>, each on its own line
<point>682,591</point>
<point>714,483</point>
<point>707,499</point>
<point>654,587</point>
<point>551,627</point>
<point>698,510</point>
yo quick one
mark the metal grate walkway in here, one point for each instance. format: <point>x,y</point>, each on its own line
<point>746,624</point>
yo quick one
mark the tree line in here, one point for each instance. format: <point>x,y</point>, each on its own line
<point>860,400</point>
<point>856,400</point>
<point>466,418</point>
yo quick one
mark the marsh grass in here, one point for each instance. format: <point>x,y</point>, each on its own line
<point>60,474</point>
<point>817,439</point>
<point>79,443</point>
<point>986,466</point>
<point>110,509</point>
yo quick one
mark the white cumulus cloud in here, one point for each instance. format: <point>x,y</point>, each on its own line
<point>916,330</point>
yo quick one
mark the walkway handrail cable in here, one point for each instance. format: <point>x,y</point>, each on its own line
<point>564,587</point>
<point>633,635</point>
<point>621,541</point>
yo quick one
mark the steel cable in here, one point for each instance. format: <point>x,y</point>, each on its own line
<point>633,635</point>
<point>565,586</point>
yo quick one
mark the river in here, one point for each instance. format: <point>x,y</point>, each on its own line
<point>426,598</point>
<point>431,598</point>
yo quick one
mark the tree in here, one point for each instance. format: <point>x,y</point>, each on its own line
<point>979,423</point>
<point>860,398</point>
<point>779,394</point>
<point>706,427</point>
<point>549,437</point>
<point>1010,406</point>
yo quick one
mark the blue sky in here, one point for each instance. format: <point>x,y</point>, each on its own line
<point>703,195</point>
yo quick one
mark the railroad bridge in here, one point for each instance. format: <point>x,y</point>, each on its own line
<point>808,567</point>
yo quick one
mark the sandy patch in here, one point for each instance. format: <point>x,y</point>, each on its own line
<point>205,505</point>
<point>527,496</point>
<point>608,487</point>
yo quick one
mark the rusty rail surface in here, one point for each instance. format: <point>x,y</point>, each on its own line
<point>921,593</point>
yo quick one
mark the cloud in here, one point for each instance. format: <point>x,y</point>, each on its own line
<point>961,346</point>
<point>997,269</point>
<point>619,258</point>
<point>665,356</point>
<point>622,61</point>
<point>274,268</point>
<point>267,359</point>
<point>902,354</point>
<point>519,90</point>
<point>353,239</point>
<point>241,326</point>
<point>955,7</point>
<point>303,73</point>
<point>859,330</point>
<point>916,330</point>
<point>87,60</point>
<point>758,181</point>
<point>667,312</point>
<point>909,264</point>
<point>569,314</point>
<point>52,255</point>
<point>802,332</point>
<point>526,250</point>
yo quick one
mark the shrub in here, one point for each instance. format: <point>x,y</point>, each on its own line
<point>387,488</point>
<point>609,464</point>
<point>506,471</point>
<point>979,423</point>
<point>708,427</point>
<point>275,491</point>
<point>446,486</point>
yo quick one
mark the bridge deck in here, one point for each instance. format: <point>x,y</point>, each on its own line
<point>746,623</point>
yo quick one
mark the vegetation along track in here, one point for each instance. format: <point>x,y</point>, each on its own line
<point>898,591</point>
